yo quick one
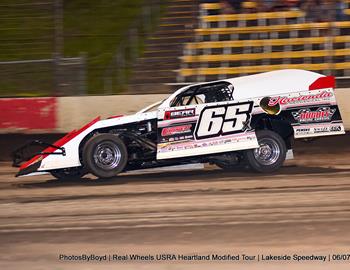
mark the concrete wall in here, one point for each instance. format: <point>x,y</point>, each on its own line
<point>73,112</point>
<point>343,99</point>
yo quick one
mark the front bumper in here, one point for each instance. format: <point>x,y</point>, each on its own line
<point>29,169</point>
<point>29,156</point>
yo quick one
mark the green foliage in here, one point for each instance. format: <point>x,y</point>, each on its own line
<point>92,27</point>
<point>97,29</point>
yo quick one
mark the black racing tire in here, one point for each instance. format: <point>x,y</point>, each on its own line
<point>105,155</point>
<point>271,154</point>
<point>68,173</point>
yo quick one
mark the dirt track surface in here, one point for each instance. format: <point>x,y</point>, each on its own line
<point>304,209</point>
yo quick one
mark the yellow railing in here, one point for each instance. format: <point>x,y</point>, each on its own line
<point>256,69</point>
<point>208,6</point>
<point>272,28</point>
<point>252,16</point>
<point>260,56</point>
<point>264,42</point>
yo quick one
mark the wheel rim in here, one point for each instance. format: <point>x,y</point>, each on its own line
<point>268,152</point>
<point>107,155</point>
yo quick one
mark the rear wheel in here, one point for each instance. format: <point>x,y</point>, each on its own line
<point>270,155</point>
<point>105,155</point>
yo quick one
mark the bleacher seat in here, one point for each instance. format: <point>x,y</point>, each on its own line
<point>277,30</point>
<point>229,44</point>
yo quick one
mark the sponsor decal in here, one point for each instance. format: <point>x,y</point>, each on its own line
<point>302,131</point>
<point>328,129</point>
<point>212,143</point>
<point>270,109</point>
<point>320,115</point>
<point>169,131</point>
<point>321,130</point>
<point>300,99</point>
<point>179,114</point>
<point>335,128</point>
<point>215,121</point>
<point>310,130</point>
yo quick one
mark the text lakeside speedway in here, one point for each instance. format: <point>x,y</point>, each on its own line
<point>294,257</point>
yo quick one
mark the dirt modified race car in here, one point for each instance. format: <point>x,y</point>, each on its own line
<point>249,120</point>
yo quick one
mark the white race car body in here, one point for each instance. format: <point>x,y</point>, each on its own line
<point>211,118</point>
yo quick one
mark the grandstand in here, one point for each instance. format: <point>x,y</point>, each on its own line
<point>229,45</point>
<point>189,41</point>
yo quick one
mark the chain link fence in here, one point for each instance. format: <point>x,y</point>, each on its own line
<point>117,72</point>
<point>41,45</point>
<point>31,49</point>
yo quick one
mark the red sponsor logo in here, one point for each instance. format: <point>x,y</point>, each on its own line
<point>300,99</point>
<point>169,131</point>
<point>320,115</point>
<point>179,114</point>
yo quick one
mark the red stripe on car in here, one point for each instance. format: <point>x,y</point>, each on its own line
<point>71,135</point>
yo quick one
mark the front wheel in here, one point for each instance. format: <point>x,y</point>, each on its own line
<point>270,155</point>
<point>105,155</point>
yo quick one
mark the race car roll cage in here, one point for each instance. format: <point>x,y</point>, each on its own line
<point>214,92</point>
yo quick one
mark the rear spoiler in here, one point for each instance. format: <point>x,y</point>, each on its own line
<point>322,83</point>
